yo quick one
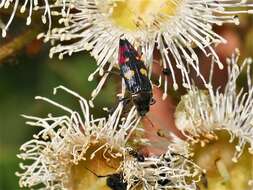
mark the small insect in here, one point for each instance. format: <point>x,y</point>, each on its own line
<point>135,75</point>
<point>114,181</point>
<point>138,156</point>
<point>164,181</point>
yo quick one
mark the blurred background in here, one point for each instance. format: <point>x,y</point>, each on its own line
<point>27,71</point>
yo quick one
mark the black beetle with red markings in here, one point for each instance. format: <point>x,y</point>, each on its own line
<point>135,75</point>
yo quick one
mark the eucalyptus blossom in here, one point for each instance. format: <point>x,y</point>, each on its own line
<point>172,170</point>
<point>174,27</point>
<point>63,142</point>
<point>201,113</point>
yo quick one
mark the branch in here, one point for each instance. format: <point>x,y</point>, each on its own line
<point>18,43</point>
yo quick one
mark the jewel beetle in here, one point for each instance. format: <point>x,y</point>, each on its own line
<point>135,75</point>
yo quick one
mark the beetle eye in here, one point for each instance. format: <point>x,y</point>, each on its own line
<point>152,102</point>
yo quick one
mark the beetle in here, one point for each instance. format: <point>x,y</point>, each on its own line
<point>139,157</point>
<point>114,181</point>
<point>135,75</point>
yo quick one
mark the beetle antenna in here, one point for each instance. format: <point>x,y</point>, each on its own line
<point>95,173</point>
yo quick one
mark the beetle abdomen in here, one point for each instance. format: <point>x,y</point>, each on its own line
<point>132,69</point>
<point>135,76</point>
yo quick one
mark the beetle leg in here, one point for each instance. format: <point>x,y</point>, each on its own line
<point>125,101</point>
<point>114,72</point>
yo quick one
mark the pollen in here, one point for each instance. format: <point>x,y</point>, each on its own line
<point>133,15</point>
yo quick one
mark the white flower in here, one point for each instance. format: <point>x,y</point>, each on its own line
<point>172,170</point>
<point>64,140</point>
<point>173,26</point>
<point>200,113</point>
<point>189,115</point>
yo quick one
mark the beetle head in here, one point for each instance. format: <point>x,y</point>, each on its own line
<point>142,102</point>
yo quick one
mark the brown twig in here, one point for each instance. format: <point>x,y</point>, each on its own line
<point>17,43</point>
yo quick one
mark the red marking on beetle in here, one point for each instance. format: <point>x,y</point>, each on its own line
<point>125,48</point>
<point>122,57</point>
